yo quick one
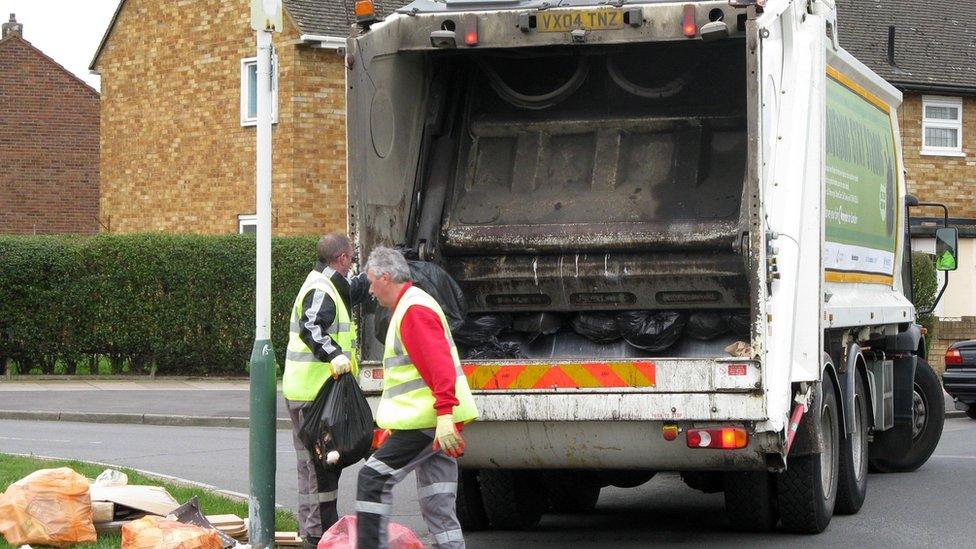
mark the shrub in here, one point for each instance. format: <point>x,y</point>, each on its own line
<point>181,303</point>
<point>925,285</point>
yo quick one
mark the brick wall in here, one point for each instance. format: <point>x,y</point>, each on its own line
<point>950,180</point>
<point>174,155</point>
<point>948,332</point>
<point>48,145</point>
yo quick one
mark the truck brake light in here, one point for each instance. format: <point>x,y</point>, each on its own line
<point>953,357</point>
<point>724,438</point>
<point>688,24</point>
<point>471,30</point>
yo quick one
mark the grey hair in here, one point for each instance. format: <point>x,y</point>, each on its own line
<point>331,246</point>
<point>384,260</point>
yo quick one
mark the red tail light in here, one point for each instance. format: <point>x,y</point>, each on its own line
<point>471,30</point>
<point>724,438</point>
<point>688,24</point>
<point>953,357</point>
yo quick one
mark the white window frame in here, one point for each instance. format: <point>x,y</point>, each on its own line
<point>941,101</point>
<point>246,63</point>
<point>247,220</point>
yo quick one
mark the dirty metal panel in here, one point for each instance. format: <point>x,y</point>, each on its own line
<point>613,376</point>
<point>619,405</point>
<point>607,281</point>
<point>600,184</point>
<point>601,445</point>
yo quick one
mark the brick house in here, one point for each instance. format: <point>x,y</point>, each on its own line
<point>929,53</point>
<point>48,142</point>
<point>178,116</point>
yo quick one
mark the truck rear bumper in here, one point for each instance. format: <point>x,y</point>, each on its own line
<point>560,406</point>
<point>633,445</point>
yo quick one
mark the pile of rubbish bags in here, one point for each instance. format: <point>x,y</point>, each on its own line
<point>479,336</point>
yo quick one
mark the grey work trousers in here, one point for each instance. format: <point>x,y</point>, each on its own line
<point>437,476</point>
<point>318,486</point>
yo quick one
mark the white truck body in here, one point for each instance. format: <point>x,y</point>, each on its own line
<point>817,265</point>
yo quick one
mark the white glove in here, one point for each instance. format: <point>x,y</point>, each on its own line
<point>447,437</point>
<point>332,457</point>
<point>340,365</point>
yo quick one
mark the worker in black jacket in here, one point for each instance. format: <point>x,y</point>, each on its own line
<point>320,345</point>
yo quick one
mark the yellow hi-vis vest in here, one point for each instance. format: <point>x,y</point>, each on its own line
<point>304,373</point>
<point>408,403</point>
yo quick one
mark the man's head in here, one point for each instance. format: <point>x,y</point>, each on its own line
<point>387,272</point>
<point>335,250</point>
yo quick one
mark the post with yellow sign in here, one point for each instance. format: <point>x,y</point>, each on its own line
<point>266,18</point>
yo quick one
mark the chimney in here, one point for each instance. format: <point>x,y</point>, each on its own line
<point>891,46</point>
<point>12,27</point>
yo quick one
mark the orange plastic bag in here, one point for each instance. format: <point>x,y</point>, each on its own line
<point>342,535</point>
<point>47,507</point>
<point>158,533</point>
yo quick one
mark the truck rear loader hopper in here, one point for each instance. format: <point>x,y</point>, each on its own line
<point>609,159</point>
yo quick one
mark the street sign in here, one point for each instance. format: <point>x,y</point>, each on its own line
<point>267,15</point>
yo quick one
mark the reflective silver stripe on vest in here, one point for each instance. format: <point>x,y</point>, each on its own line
<point>307,356</point>
<point>405,388</point>
<point>449,536</point>
<point>395,361</point>
<point>374,508</point>
<point>413,385</point>
<point>437,488</point>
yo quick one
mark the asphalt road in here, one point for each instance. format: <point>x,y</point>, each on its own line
<point>931,507</point>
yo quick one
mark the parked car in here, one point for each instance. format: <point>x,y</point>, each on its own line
<point>960,374</point>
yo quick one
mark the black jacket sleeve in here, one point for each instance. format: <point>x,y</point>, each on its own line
<point>358,289</point>
<point>318,314</point>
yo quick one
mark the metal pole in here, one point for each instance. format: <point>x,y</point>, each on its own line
<point>263,367</point>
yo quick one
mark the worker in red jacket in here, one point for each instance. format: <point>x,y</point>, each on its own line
<point>425,402</point>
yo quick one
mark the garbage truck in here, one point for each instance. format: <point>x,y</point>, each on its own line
<point>652,167</point>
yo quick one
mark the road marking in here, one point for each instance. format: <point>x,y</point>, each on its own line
<point>954,457</point>
<point>63,441</point>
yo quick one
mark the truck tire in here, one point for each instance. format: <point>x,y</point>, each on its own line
<point>807,491</point>
<point>971,411</point>
<point>572,491</point>
<point>470,507</point>
<point>750,501</point>
<point>514,500</point>
<point>852,482</point>
<point>928,416</point>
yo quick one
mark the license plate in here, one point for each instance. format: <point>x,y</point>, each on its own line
<point>568,20</point>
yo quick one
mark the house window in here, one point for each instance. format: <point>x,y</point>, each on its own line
<point>249,90</point>
<point>942,126</point>
<point>247,224</point>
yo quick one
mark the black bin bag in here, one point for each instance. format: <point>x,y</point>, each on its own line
<point>339,419</point>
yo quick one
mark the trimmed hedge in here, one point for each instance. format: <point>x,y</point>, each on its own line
<point>925,286</point>
<point>182,304</point>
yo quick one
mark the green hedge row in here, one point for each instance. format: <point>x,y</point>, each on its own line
<point>176,304</point>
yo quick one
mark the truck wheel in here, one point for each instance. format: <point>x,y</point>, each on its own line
<point>807,491</point>
<point>514,500</point>
<point>470,508</point>
<point>928,418</point>
<point>852,483</point>
<point>971,411</point>
<point>571,492</point>
<point>750,501</point>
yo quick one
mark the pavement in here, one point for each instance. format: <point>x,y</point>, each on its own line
<point>928,508</point>
<point>192,402</point>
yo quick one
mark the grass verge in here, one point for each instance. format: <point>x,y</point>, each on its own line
<point>14,468</point>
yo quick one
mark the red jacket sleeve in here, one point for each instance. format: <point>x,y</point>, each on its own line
<point>423,338</point>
